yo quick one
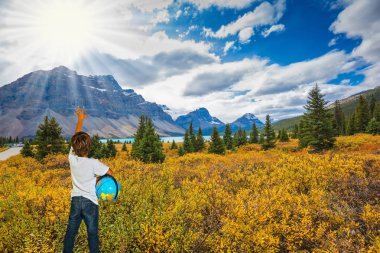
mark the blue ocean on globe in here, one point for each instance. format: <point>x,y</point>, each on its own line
<point>107,189</point>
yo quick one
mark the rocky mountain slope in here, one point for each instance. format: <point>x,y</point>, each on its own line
<point>200,118</point>
<point>246,121</point>
<point>113,111</point>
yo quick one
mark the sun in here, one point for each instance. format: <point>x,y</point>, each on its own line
<point>48,33</point>
<point>65,28</point>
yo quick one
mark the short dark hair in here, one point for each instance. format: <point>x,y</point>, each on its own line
<point>81,143</point>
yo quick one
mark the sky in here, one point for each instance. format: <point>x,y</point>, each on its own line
<point>229,56</point>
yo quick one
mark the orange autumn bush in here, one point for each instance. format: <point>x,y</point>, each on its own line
<point>249,200</point>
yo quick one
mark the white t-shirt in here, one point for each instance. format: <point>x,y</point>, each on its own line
<point>83,174</point>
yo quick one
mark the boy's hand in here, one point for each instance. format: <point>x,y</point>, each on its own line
<point>81,116</point>
<point>80,113</point>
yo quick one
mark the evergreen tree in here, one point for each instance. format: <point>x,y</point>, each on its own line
<point>111,149</point>
<point>192,136</point>
<point>279,134</point>
<point>174,145</point>
<point>376,112</point>
<point>124,148</point>
<point>303,136</point>
<point>269,134</point>
<point>317,129</point>
<point>104,152</point>
<point>55,133</point>
<point>216,143</point>
<point>227,137</point>
<point>361,115</point>
<point>261,138</point>
<point>96,148</point>
<point>254,134</point>
<point>350,126</point>
<point>181,151</point>
<point>339,120</point>
<point>139,135</point>
<point>187,144</point>
<point>284,135</point>
<point>373,127</point>
<point>244,139</point>
<point>151,145</point>
<point>372,105</point>
<point>147,146</point>
<point>27,150</point>
<point>199,142</point>
<point>295,133</point>
<point>67,149</point>
<point>49,138</point>
<point>240,137</point>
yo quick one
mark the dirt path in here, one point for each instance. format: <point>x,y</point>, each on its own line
<point>9,152</point>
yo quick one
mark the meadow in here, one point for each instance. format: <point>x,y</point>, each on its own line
<point>249,200</point>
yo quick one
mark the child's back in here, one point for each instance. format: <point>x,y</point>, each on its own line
<point>83,172</point>
<point>84,203</point>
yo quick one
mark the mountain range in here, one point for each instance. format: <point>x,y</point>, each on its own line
<point>114,111</point>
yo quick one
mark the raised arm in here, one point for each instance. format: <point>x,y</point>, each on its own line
<point>81,117</point>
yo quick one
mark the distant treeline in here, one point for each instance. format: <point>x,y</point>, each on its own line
<point>8,140</point>
<point>49,140</point>
<point>317,130</point>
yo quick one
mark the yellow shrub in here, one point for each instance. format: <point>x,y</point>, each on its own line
<point>247,201</point>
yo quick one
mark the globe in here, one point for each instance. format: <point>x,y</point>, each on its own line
<point>107,188</point>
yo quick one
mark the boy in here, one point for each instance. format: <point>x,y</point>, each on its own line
<point>84,203</point>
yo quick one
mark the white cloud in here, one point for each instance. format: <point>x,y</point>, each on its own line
<point>149,5</point>
<point>245,34</point>
<point>237,4</point>
<point>263,14</point>
<point>178,14</point>
<point>273,28</point>
<point>278,90</point>
<point>332,42</point>
<point>229,45</point>
<point>361,19</point>
<point>161,17</point>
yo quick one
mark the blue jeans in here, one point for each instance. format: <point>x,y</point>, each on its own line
<point>82,208</point>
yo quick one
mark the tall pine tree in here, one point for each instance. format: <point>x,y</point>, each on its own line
<point>96,148</point>
<point>151,145</point>
<point>269,135</point>
<point>111,149</point>
<point>124,148</point>
<point>147,146</point>
<point>372,105</point>
<point>284,135</point>
<point>254,134</point>
<point>361,115</point>
<point>27,150</point>
<point>216,143</point>
<point>376,112</point>
<point>339,119</point>
<point>227,137</point>
<point>317,131</point>
<point>240,137</point>
<point>139,135</point>
<point>174,145</point>
<point>199,142</point>
<point>350,125</point>
<point>187,143</point>
<point>49,139</point>
<point>192,136</point>
<point>373,127</point>
<point>295,133</point>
